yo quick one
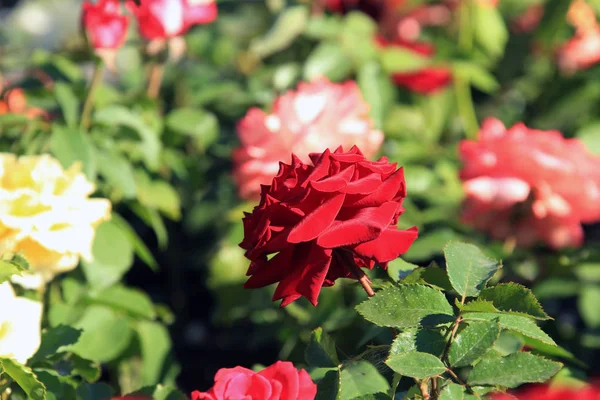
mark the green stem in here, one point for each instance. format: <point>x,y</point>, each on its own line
<point>466,108</point>
<point>89,100</point>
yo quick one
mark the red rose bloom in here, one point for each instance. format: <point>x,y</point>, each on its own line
<point>544,392</point>
<point>106,27</point>
<point>163,19</point>
<point>280,381</point>
<point>317,219</point>
<point>425,80</point>
<point>530,185</point>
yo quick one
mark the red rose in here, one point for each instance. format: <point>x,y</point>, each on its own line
<point>317,219</point>
<point>162,19</point>
<point>106,27</point>
<point>545,392</point>
<point>280,381</point>
<point>530,185</point>
<point>424,80</point>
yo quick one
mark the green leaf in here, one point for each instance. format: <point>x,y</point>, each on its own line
<point>454,391</point>
<point>150,143</point>
<point>54,340</point>
<point>105,336</point>
<point>590,136</point>
<point>202,126</point>
<point>69,145</point>
<point>68,102</point>
<point>512,297</point>
<point>398,269</point>
<point>158,195</point>
<point>321,351</point>
<point>431,275</point>
<point>289,25</point>
<point>361,378</point>
<point>87,369</point>
<point>377,91</point>
<point>478,76</point>
<point>398,59</point>
<point>407,306</point>
<point>429,244</point>
<point>513,370</point>
<point>328,388</point>
<point>421,340</point>
<point>141,250</point>
<point>118,173</point>
<point>416,365</point>
<point>477,306</point>
<point>57,387</point>
<point>489,29</point>
<point>517,323</point>
<point>112,256</point>
<point>468,268</point>
<point>327,59</point>
<point>24,377</point>
<point>9,267</point>
<point>156,344</point>
<point>473,342</point>
<point>587,304</point>
<point>120,298</point>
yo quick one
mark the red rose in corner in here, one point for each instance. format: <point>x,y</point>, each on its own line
<point>163,19</point>
<point>545,392</point>
<point>106,27</point>
<point>424,80</point>
<point>280,381</point>
<point>313,220</point>
<point>529,185</point>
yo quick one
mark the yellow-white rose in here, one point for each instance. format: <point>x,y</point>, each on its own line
<point>47,215</point>
<point>20,320</point>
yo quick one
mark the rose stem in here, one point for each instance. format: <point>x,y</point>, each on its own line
<point>89,100</point>
<point>155,80</point>
<point>358,273</point>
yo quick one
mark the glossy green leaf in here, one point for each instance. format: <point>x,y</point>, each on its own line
<point>377,91</point>
<point>328,388</point>
<point>120,298</point>
<point>588,302</point>
<point>473,342</point>
<point>70,145</point>
<point>106,334</point>
<point>200,125</point>
<point>512,297</point>
<point>24,377</point>
<point>117,172</point>
<point>327,59</point>
<point>12,264</point>
<point>141,250</point>
<point>407,306</point>
<point>112,256</point>
<point>68,102</point>
<point>468,268</point>
<point>399,59</point>
<point>321,351</point>
<point>416,365</point>
<point>361,378</point>
<point>513,370</point>
<point>477,306</point>
<point>289,25</point>
<point>54,340</point>
<point>453,391</point>
<point>517,323</point>
<point>421,340</point>
<point>156,344</point>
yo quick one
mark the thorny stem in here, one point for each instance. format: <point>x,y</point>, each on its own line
<point>424,387</point>
<point>155,80</point>
<point>89,100</point>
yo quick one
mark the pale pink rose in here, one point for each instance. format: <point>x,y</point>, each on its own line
<point>581,52</point>
<point>316,116</point>
<point>529,185</point>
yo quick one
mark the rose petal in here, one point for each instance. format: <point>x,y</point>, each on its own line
<point>316,222</point>
<point>388,246</point>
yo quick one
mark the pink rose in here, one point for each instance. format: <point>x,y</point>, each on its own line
<point>529,184</point>
<point>316,116</point>
<point>106,27</point>
<point>163,19</point>
<point>280,381</point>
